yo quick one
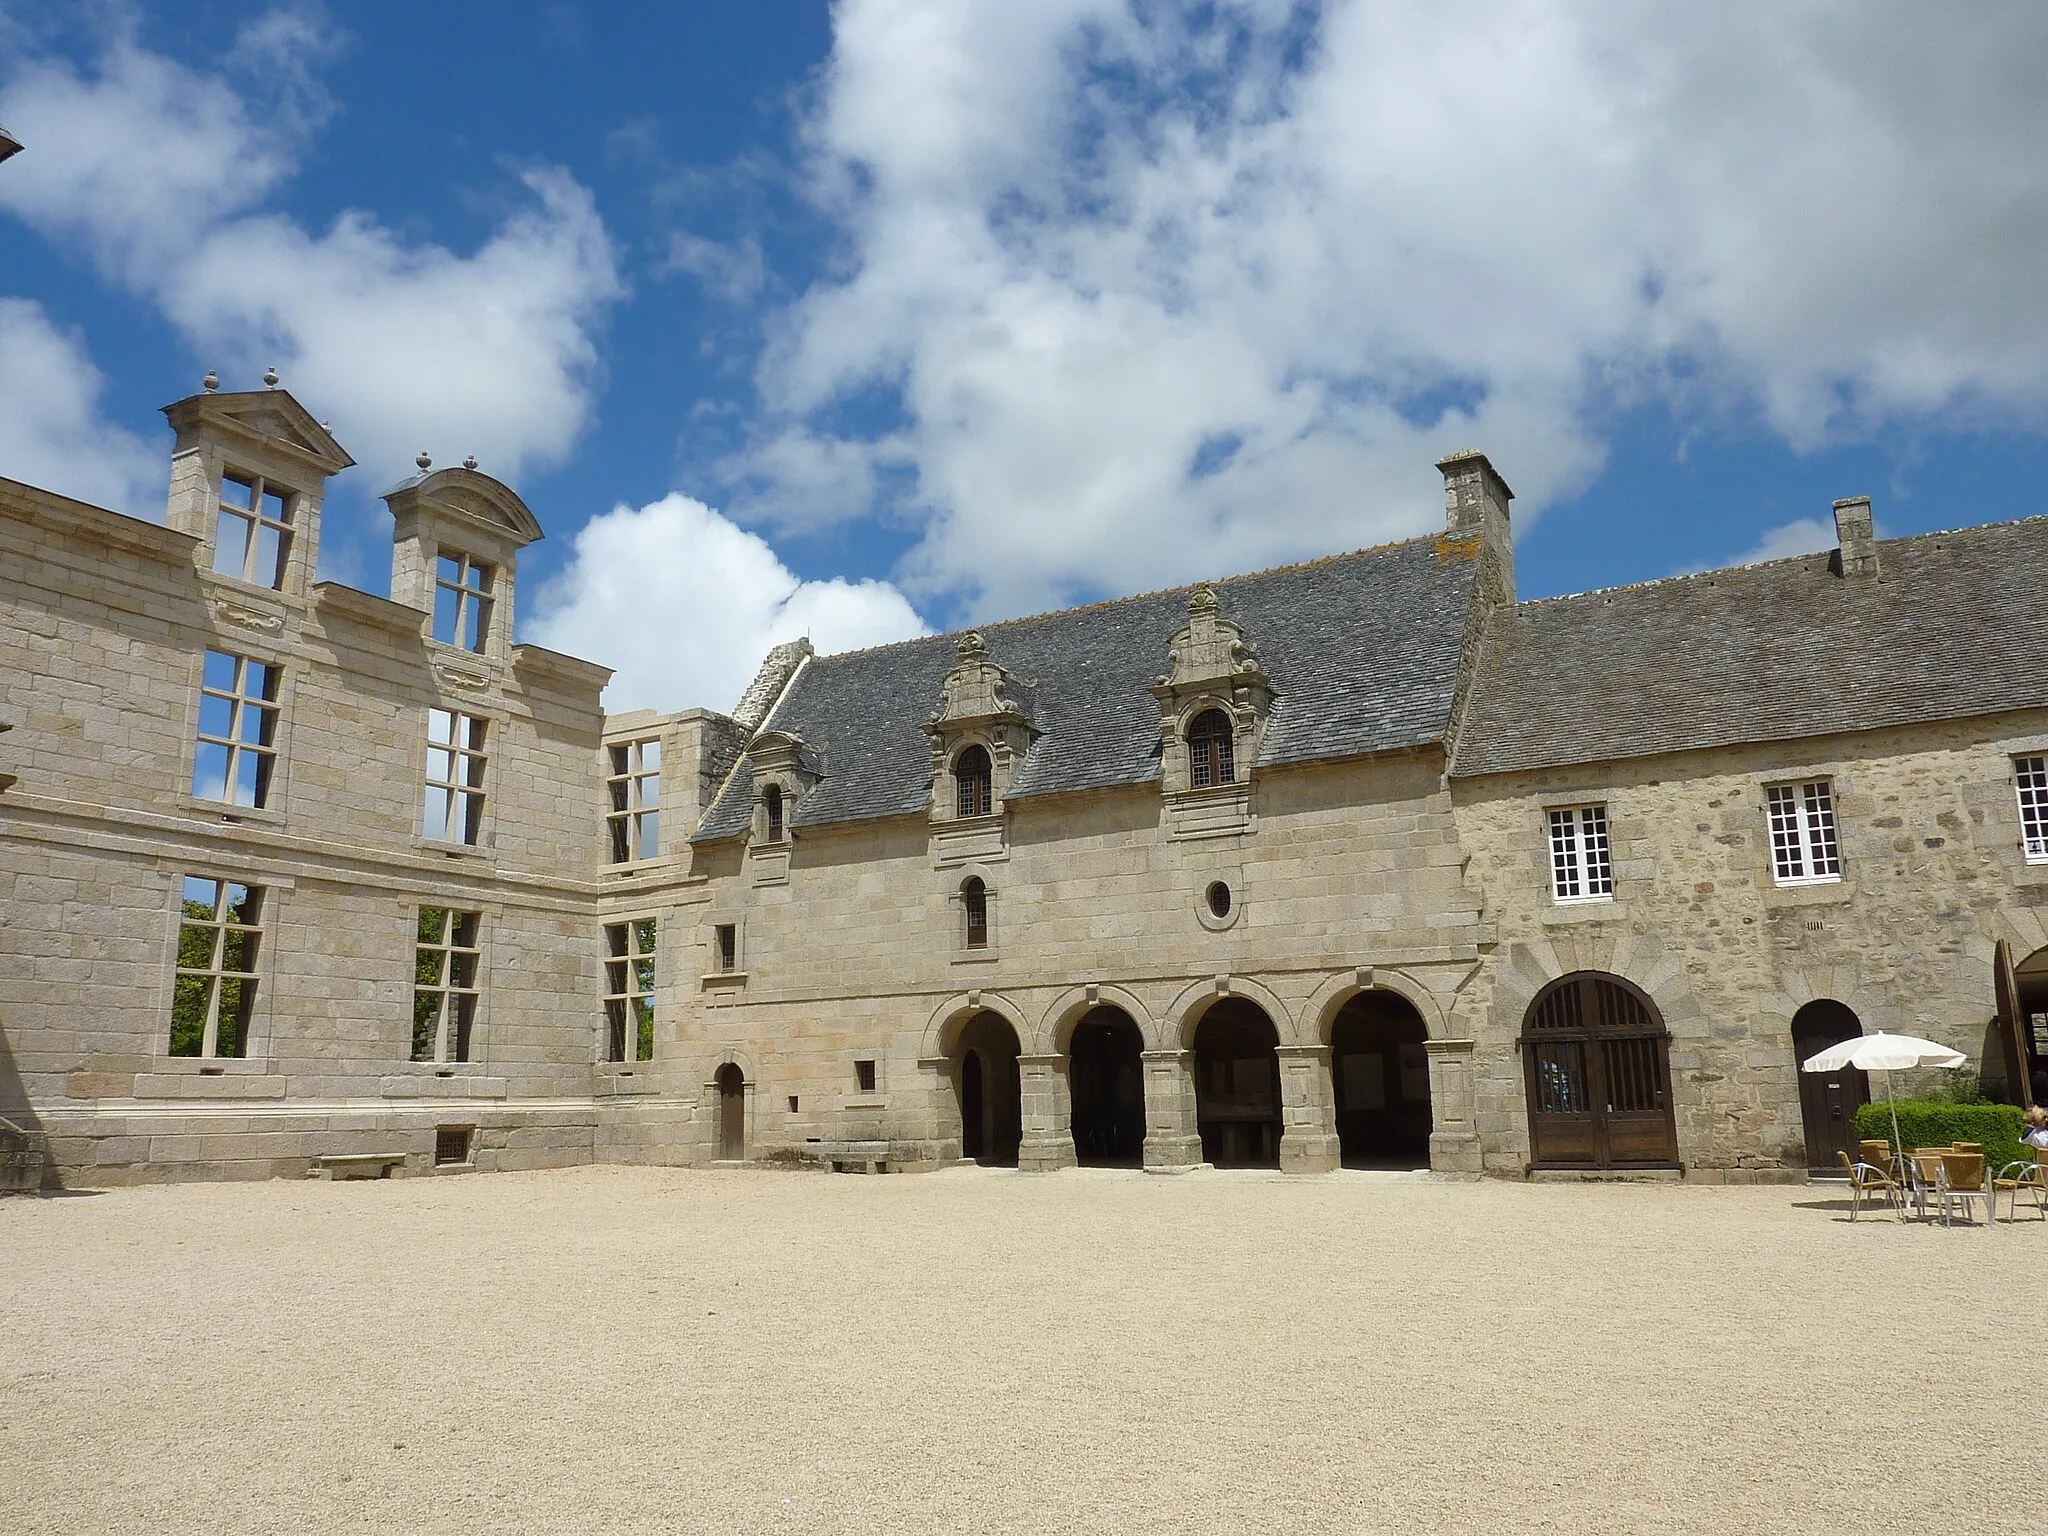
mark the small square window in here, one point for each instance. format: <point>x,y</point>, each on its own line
<point>451,1145</point>
<point>792,1103</point>
<point>864,1075</point>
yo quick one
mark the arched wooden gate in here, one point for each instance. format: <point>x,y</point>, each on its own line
<point>1598,1063</point>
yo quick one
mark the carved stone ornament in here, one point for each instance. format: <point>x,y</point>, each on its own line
<point>234,615</point>
<point>1212,665</point>
<point>459,679</point>
<point>977,706</point>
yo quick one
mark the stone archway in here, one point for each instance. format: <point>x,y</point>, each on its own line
<point>1106,1088</point>
<point>732,1114</point>
<point>986,1077</point>
<point>1237,1085</point>
<point>1828,1101</point>
<point>1379,1070</point>
<point>1597,1062</point>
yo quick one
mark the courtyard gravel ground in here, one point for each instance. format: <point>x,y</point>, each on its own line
<point>614,1349</point>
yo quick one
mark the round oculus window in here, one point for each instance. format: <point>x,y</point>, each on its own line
<point>1219,899</point>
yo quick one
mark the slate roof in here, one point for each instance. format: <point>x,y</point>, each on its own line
<point>1362,649</point>
<point>1955,625</point>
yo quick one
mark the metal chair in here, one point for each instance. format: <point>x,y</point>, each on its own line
<point>1963,1184</point>
<point>2028,1178</point>
<point>1868,1181</point>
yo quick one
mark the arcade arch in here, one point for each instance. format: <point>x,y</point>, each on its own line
<point>1379,1074</point>
<point>1106,1088</point>
<point>1597,1062</point>
<point>984,1056</point>
<point>1237,1084</point>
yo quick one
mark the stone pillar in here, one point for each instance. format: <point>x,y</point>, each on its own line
<point>1172,1144</point>
<point>941,1140</point>
<point>1048,1114</point>
<point>1308,1111</point>
<point>1454,1128</point>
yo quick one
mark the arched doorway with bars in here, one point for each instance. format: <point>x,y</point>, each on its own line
<point>1237,1085</point>
<point>991,1101</point>
<point>1379,1076</point>
<point>1597,1060</point>
<point>732,1113</point>
<point>1828,1101</point>
<point>1106,1089</point>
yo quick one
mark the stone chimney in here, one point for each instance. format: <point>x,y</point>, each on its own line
<point>766,690</point>
<point>1476,506</point>
<point>1853,532</point>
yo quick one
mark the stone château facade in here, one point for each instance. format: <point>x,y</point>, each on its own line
<point>1359,860</point>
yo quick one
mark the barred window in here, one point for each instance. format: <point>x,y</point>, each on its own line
<point>445,983</point>
<point>771,802</point>
<point>1803,846</point>
<point>1211,750</point>
<point>455,777</point>
<point>974,779</point>
<point>1580,869</point>
<point>462,602</point>
<point>2031,776</point>
<point>629,990</point>
<point>726,940</point>
<point>252,533</point>
<point>237,730</point>
<point>214,994</point>
<point>635,789</point>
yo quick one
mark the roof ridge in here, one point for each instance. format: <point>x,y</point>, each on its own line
<point>1134,597</point>
<point>1782,560</point>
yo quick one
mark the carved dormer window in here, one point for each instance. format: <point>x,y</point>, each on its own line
<point>974,782</point>
<point>979,734</point>
<point>1213,709</point>
<point>785,770</point>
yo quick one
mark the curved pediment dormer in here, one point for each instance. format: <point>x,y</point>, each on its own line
<point>1214,702</point>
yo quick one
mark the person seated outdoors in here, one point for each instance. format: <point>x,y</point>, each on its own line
<point>2036,1133</point>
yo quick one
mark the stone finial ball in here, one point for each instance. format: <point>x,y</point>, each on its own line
<point>211,382</point>
<point>270,377</point>
<point>423,460</point>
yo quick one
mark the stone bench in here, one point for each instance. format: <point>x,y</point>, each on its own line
<point>355,1165</point>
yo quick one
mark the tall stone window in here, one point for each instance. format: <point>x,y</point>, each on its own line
<point>445,983</point>
<point>974,907</point>
<point>2030,775</point>
<point>214,994</point>
<point>634,818</point>
<point>462,602</point>
<point>1580,868</point>
<point>237,730</point>
<point>1804,850</point>
<point>455,777</point>
<point>771,805</point>
<point>974,779</point>
<point>629,990</point>
<point>1211,750</point>
<point>252,531</point>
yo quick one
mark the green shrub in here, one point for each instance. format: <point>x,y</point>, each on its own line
<point>1936,1123</point>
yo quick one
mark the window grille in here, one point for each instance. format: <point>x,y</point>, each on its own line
<point>252,533</point>
<point>1580,867</point>
<point>445,983</point>
<point>629,990</point>
<point>728,940</point>
<point>1803,846</point>
<point>2031,777</point>
<point>214,994</point>
<point>864,1076</point>
<point>455,777</point>
<point>634,817</point>
<point>974,902</point>
<point>1211,750</point>
<point>462,602</point>
<point>974,781</point>
<point>237,730</point>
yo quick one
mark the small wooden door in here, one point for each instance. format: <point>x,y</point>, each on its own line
<point>732,1114</point>
<point>1828,1101</point>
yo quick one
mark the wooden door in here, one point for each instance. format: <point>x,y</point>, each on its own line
<point>1828,1101</point>
<point>732,1114</point>
<point>1598,1068</point>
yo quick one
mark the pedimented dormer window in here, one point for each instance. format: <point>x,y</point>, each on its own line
<point>1213,709</point>
<point>252,530</point>
<point>980,733</point>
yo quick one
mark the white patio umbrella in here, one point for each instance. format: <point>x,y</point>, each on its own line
<point>1887,1054</point>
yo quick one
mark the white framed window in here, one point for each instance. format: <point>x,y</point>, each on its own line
<point>445,984</point>
<point>237,730</point>
<point>252,531</point>
<point>462,602</point>
<point>1580,866</point>
<point>1804,850</point>
<point>2030,778</point>
<point>455,777</point>
<point>634,787</point>
<point>220,928</point>
<point>629,990</point>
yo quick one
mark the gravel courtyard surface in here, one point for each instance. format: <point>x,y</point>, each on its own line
<point>653,1350</point>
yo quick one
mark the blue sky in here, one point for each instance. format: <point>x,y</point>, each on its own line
<point>787,317</point>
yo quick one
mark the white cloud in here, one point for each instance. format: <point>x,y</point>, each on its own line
<point>51,431</point>
<point>159,171</point>
<point>685,605</point>
<point>1803,536</point>
<point>1153,291</point>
